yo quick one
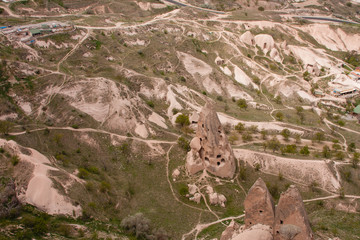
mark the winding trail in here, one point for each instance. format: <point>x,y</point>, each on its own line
<point>73,50</point>
<point>170,185</point>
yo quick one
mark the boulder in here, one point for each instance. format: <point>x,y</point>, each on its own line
<point>196,198</point>
<point>256,232</point>
<point>192,189</point>
<point>229,231</point>
<point>195,144</point>
<point>291,218</point>
<point>259,205</point>
<point>217,199</point>
<point>176,173</point>
<point>215,151</point>
<point>194,163</point>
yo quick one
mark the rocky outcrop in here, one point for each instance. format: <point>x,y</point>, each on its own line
<point>291,221</point>
<point>259,205</point>
<point>288,221</point>
<point>256,232</point>
<point>210,148</point>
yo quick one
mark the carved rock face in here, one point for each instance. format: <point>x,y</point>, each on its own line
<point>212,146</point>
<point>291,218</point>
<point>259,205</point>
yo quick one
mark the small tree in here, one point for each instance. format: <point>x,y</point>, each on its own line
<point>240,127</point>
<point>351,147</point>
<point>305,150</point>
<point>326,152</point>
<point>242,103</point>
<point>182,120</point>
<point>286,134</point>
<point>264,134</point>
<point>5,127</point>
<point>183,143</point>
<point>355,160</point>
<point>319,137</point>
<point>279,116</point>
<point>274,144</point>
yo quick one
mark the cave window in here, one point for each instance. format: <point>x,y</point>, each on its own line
<point>206,159</point>
<point>277,232</point>
<point>202,125</point>
<point>281,222</point>
<point>218,163</point>
<point>250,223</point>
<point>261,211</point>
<point>200,139</point>
<point>218,156</point>
<point>222,160</point>
<point>265,45</point>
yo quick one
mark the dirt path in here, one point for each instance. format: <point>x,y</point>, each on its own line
<point>170,185</point>
<point>149,141</point>
<point>73,50</point>
<point>201,226</point>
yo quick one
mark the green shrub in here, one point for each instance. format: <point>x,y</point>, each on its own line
<point>305,151</point>
<point>261,8</point>
<point>83,173</point>
<point>182,120</point>
<point>150,103</point>
<point>15,160</point>
<point>240,127</point>
<point>183,143</point>
<point>105,187</point>
<point>242,103</point>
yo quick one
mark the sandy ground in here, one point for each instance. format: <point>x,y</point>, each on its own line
<point>40,191</point>
<point>261,125</point>
<point>336,40</point>
<point>158,120</point>
<point>300,171</point>
<point>200,71</point>
<point>310,56</point>
<point>8,116</point>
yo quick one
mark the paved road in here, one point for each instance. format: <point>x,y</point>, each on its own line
<point>188,5</point>
<point>327,19</point>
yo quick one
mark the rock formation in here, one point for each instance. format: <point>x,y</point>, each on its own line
<point>291,221</point>
<point>288,221</point>
<point>259,205</point>
<point>210,148</point>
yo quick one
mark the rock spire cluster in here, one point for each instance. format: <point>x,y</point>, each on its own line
<point>263,221</point>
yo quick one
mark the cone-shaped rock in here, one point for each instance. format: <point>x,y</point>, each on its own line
<point>259,205</point>
<point>214,150</point>
<point>291,221</point>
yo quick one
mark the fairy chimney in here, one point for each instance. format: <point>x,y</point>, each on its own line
<point>259,205</point>
<point>291,221</point>
<point>210,148</point>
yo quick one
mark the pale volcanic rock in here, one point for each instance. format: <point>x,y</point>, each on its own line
<point>265,42</point>
<point>247,38</point>
<point>192,188</point>
<point>291,211</point>
<point>256,232</point>
<point>194,163</point>
<point>196,198</point>
<point>229,231</point>
<point>175,174</point>
<point>215,152</point>
<point>217,199</point>
<point>195,144</point>
<point>259,205</point>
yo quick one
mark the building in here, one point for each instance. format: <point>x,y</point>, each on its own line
<point>35,32</point>
<point>355,75</point>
